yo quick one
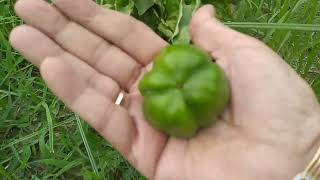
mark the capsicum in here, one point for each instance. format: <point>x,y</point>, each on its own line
<point>184,91</point>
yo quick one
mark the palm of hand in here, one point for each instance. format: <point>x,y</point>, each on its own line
<point>262,135</point>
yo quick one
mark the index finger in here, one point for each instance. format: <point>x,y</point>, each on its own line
<point>124,31</point>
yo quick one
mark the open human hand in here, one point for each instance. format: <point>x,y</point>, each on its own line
<point>88,55</point>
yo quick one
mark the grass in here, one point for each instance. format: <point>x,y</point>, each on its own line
<point>41,139</point>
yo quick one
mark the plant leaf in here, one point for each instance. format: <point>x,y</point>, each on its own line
<point>286,26</point>
<point>125,8</point>
<point>50,126</point>
<point>88,149</point>
<point>143,5</point>
<point>181,34</point>
<point>53,162</point>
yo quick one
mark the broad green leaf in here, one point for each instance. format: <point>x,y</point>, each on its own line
<point>181,34</point>
<point>151,18</point>
<point>165,30</point>
<point>143,5</point>
<point>169,17</point>
<point>180,15</point>
<point>124,6</point>
<point>183,37</point>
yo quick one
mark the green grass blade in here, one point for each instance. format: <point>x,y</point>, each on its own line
<point>16,154</point>
<point>6,112</point>
<point>37,133</point>
<point>67,167</point>
<point>9,93</point>
<point>4,173</point>
<point>84,139</point>
<point>284,41</point>
<point>312,58</point>
<point>282,26</point>
<point>50,126</point>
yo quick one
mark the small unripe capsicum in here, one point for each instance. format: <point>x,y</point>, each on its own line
<point>184,91</point>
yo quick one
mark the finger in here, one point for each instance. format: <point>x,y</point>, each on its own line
<point>213,36</point>
<point>122,30</point>
<point>97,52</point>
<point>79,86</point>
<point>23,39</point>
<point>111,121</point>
<point>92,96</point>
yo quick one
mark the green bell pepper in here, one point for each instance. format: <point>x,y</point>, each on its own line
<point>184,91</point>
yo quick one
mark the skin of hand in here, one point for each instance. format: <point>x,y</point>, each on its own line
<point>87,55</point>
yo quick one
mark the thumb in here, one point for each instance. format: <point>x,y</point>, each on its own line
<point>213,36</point>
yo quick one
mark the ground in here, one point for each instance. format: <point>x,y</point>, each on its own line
<point>41,139</point>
